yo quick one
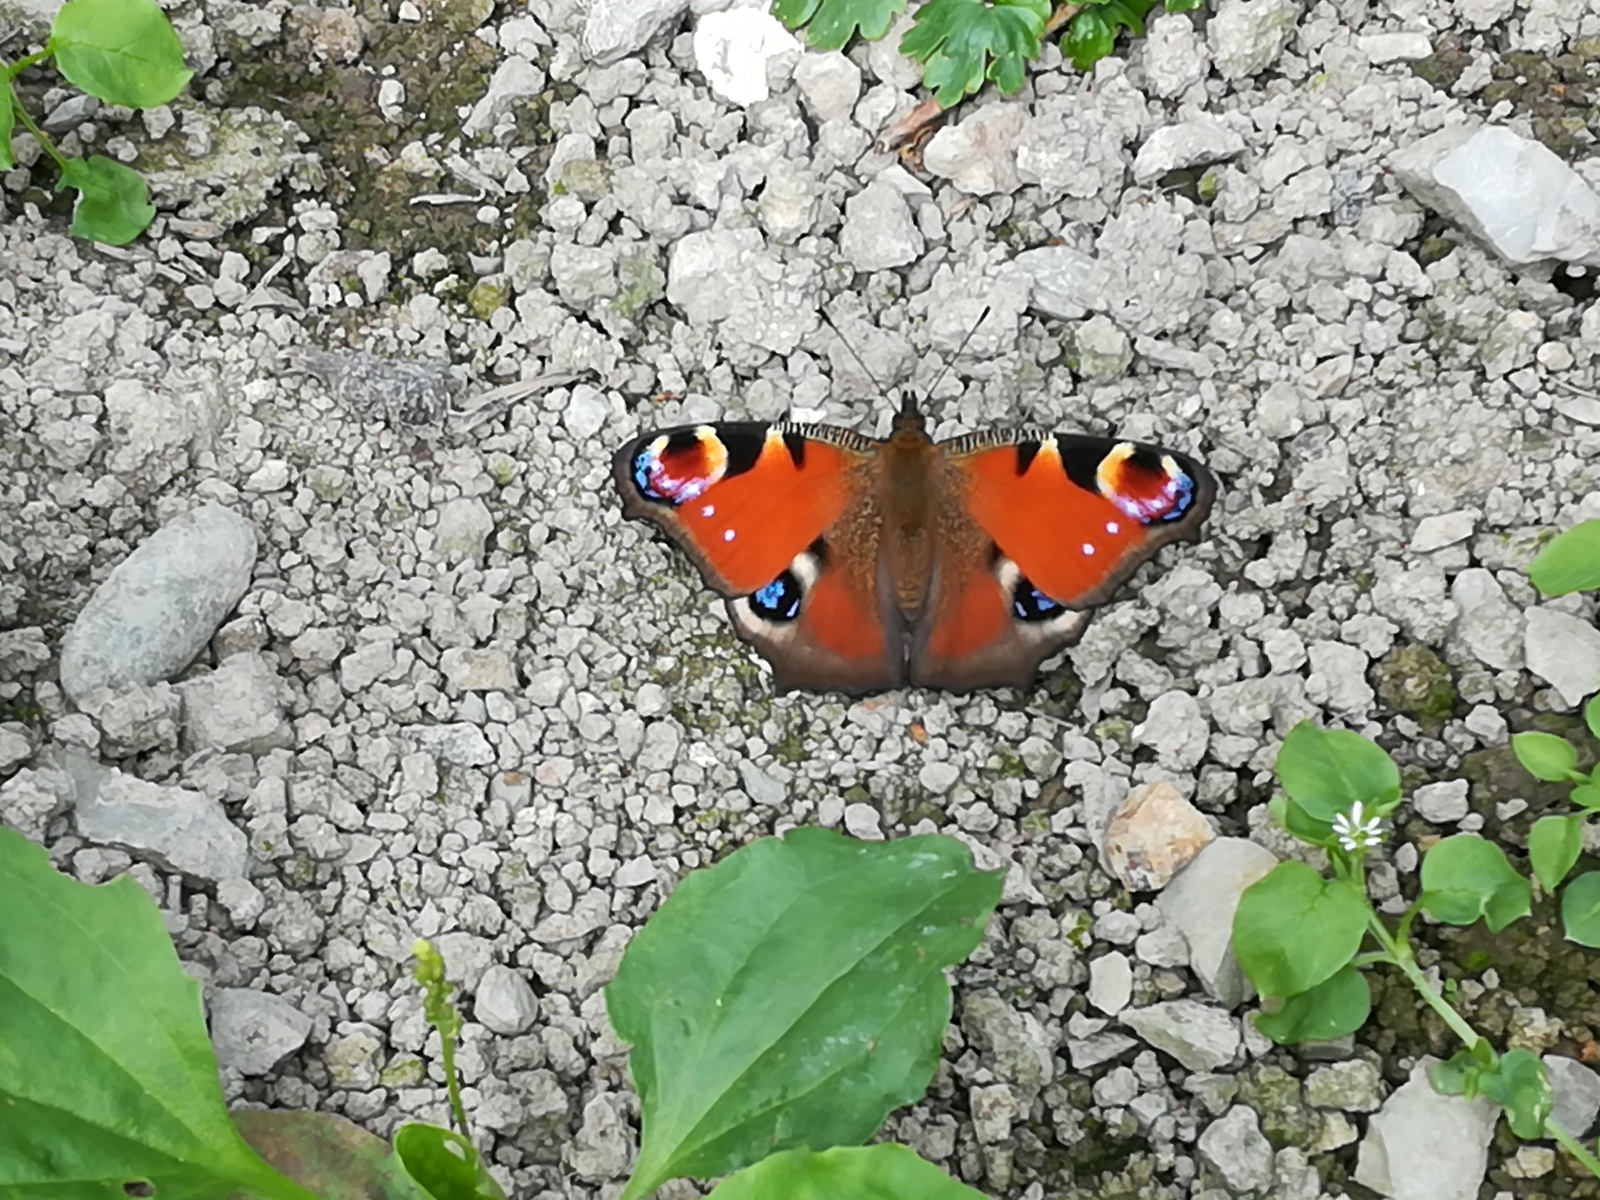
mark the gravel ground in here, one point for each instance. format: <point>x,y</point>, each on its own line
<point>459,698</point>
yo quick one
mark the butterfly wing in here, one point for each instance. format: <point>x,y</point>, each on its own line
<point>1042,528</point>
<point>780,520</point>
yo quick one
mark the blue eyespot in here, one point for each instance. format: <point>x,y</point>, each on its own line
<point>779,600</point>
<point>1180,496</point>
<point>1028,603</point>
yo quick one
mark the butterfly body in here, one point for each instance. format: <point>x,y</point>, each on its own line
<point>854,564</point>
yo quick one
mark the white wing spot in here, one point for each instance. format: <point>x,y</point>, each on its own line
<point>1111,526</point>
<point>1088,548</point>
<point>728,535</point>
<point>709,510</point>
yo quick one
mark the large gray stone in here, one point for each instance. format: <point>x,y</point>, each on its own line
<point>156,611</point>
<point>1200,903</point>
<point>1424,1146</point>
<point>253,1031</point>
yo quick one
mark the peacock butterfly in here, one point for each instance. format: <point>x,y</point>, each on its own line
<point>857,565</point>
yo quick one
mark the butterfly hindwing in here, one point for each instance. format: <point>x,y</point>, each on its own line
<point>1045,527</point>
<point>756,507</point>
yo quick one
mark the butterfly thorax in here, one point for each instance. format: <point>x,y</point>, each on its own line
<point>908,482</point>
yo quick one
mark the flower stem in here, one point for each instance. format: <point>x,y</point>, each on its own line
<point>458,1113</point>
<point>45,143</point>
<point>1569,1142</point>
<point>1400,954</point>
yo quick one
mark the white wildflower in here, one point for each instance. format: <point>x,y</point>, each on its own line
<point>1356,830</point>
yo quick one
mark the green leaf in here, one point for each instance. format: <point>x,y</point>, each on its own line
<point>1580,909</point>
<point>884,1172</point>
<point>1571,563</point>
<point>1338,1005</point>
<point>830,24</point>
<point>123,51</point>
<point>113,202</point>
<point>1461,1073</point>
<point>1299,822</point>
<point>445,1164</point>
<point>8,117</point>
<point>1591,715</point>
<point>1518,1083</point>
<point>107,1079</point>
<point>793,994</point>
<point>1586,795</point>
<point>962,42</point>
<point>328,1155</point>
<point>1554,844</point>
<point>1090,37</point>
<point>1465,877</point>
<point>1294,929</point>
<point>1545,756</point>
<point>1179,6</point>
<point>1329,771</point>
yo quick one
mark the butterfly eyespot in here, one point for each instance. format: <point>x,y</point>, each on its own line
<point>1150,489</point>
<point>1028,603</point>
<point>779,600</point>
<point>677,468</point>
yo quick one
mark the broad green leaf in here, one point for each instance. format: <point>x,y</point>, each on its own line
<point>1183,5</point>
<point>1465,877</point>
<point>1554,844</point>
<point>792,995</point>
<point>884,1172</point>
<point>1518,1083</point>
<point>1336,1006</point>
<point>1294,929</point>
<point>1301,823</point>
<point>1591,714</point>
<point>1545,756</point>
<point>1580,909</point>
<point>1329,771</point>
<point>1586,794</point>
<point>123,51</point>
<point>8,118</point>
<point>830,24</point>
<point>107,1081</point>
<point>113,202</point>
<point>962,42</point>
<point>445,1165</point>
<point>329,1155</point>
<point>1571,563</point>
<point>1090,37</point>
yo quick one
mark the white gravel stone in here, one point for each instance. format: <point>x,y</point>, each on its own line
<point>161,604</point>
<point>1424,1146</point>
<point>238,706</point>
<point>1442,803</point>
<point>1247,36</point>
<point>179,829</point>
<point>1489,625</point>
<point>1199,1036</point>
<point>1235,1148</point>
<point>505,1003</point>
<point>830,83</point>
<point>1193,143</point>
<point>1110,982</point>
<point>735,50</point>
<point>1200,903</point>
<point>879,230</point>
<point>979,154</point>
<point>253,1031</point>
<point>1576,1089</point>
<point>1564,651</point>
<point>614,29</point>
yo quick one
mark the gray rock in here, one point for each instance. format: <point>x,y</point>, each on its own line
<point>1399,46</point>
<point>761,787</point>
<point>1445,529</point>
<point>1175,55</point>
<point>1353,1086</point>
<point>355,1059</point>
<point>1014,1043</point>
<point>1248,35</point>
<point>1110,982</point>
<point>1488,624</point>
<point>1563,650</point>
<point>879,231</point>
<point>603,1145</point>
<point>1193,143</point>
<point>1235,1148</point>
<point>160,606</point>
<point>1087,1053</point>
<point>239,706</point>
<point>134,717</point>
<point>1510,343</point>
<point>979,155</point>
<point>34,797</point>
<point>1338,679</point>
<point>1442,803</point>
<point>465,524</point>
<point>254,1031</point>
<point>1511,193</point>
<point>1199,1036</point>
<point>742,51</point>
<point>459,743</point>
<point>1200,903</point>
<point>151,430</point>
<point>15,745</point>
<point>1176,729</point>
<point>514,79</point>
<point>1577,1093</point>
<point>994,1110</point>
<point>614,29</point>
<point>1424,1146</point>
<point>830,83</point>
<point>471,670</point>
<point>179,829</point>
<point>505,1003</point>
<point>1067,283</point>
<point>1104,351</point>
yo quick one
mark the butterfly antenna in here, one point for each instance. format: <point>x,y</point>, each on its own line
<point>845,342</point>
<point>909,407</point>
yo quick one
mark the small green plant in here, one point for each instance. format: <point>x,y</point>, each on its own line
<point>119,51</point>
<point>779,1005</point>
<point>1571,563</point>
<point>963,43</point>
<point>1304,939</point>
<point>1556,839</point>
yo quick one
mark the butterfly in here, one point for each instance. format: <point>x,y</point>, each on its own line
<point>855,564</point>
